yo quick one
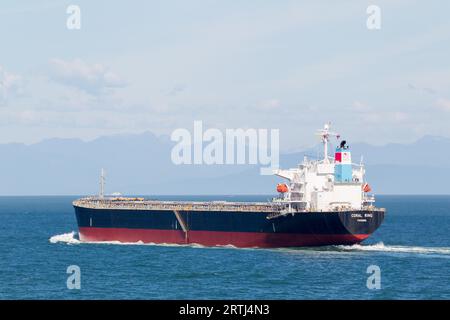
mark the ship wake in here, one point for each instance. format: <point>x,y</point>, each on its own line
<point>69,238</point>
<point>73,238</point>
<point>381,247</point>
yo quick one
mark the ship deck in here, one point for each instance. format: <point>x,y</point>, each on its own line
<point>96,203</point>
<point>274,208</point>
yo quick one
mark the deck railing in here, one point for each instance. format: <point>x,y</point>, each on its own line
<point>275,208</point>
<point>179,206</point>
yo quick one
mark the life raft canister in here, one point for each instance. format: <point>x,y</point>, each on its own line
<point>366,188</point>
<point>282,188</point>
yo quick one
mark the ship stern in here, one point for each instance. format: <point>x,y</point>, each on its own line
<point>362,223</point>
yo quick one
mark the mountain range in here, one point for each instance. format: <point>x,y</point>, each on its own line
<point>141,164</point>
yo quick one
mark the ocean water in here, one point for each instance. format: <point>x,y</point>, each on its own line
<point>38,242</point>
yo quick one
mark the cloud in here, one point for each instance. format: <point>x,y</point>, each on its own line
<point>360,106</point>
<point>373,115</point>
<point>91,78</point>
<point>443,104</point>
<point>428,90</point>
<point>175,90</point>
<point>10,85</point>
<point>270,104</point>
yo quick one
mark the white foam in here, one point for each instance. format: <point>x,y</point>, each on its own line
<point>228,246</point>
<point>73,238</point>
<point>70,238</point>
<point>381,247</point>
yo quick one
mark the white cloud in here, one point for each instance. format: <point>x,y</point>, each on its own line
<point>176,89</point>
<point>360,106</point>
<point>91,78</point>
<point>270,104</point>
<point>443,104</point>
<point>10,84</point>
<point>428,90</point>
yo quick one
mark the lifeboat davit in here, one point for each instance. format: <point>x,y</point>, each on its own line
<point>366,188</point>
<point>282,188</point>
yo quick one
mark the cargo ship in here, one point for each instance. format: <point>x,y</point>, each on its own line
<point>321,202</point>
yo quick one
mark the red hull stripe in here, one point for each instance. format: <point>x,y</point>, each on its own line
<point>216,238</point>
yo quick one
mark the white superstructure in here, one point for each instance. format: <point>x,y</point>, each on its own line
<point>333,183</point>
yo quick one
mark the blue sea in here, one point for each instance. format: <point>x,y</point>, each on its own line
<point>38,242</point>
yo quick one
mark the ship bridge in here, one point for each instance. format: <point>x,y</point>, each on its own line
<point>332,183</point>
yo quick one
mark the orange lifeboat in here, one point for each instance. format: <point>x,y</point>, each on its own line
<point>282,188</point>
<point>366,188</point>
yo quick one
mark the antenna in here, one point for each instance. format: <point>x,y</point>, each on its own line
<point>102,184</point>
<point>325,134</point>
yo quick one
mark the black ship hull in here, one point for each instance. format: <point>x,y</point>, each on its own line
<point>222,228</point>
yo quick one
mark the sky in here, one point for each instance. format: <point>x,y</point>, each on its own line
<point>157,66</point>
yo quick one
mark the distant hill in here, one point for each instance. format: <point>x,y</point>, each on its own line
<point>140,164</point>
